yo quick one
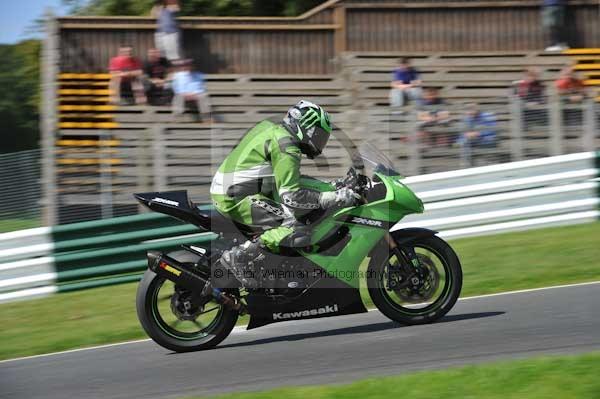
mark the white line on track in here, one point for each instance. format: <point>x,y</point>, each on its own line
<point>238,329</point>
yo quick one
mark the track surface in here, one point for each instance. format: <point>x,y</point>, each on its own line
<point>339,349</point>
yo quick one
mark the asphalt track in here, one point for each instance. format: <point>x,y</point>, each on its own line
<point>339,349</point>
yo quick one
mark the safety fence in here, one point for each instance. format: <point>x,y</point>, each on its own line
<point>442,137</point>
<point>96,177</point>
<point>20,183</point>
<point>86,255</point>
<point>484,200</point>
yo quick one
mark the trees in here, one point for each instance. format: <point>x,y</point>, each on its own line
<point>19,102</point>
<point>195,7</point>
<point>20,67</point>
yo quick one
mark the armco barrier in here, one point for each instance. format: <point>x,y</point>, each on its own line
<point>505,197</point>
<point>529,194</point>
<point>86,255</point>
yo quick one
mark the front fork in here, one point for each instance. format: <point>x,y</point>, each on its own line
<point>402,276</point>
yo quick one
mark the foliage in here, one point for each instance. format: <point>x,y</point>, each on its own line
<point>19,103</point>
<point>195,7</point>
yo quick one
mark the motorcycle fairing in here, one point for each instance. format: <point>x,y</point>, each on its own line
<point>328,297</point>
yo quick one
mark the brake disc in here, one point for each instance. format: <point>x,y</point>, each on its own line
<point>183,307</point>
<point>426,288</point>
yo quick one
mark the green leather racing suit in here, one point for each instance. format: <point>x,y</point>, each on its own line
<point>258,184</point>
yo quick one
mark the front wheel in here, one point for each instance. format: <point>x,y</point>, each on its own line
<point>172,319</point>
<point>439,281</point>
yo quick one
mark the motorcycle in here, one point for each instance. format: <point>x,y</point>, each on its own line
<point>412,276</point>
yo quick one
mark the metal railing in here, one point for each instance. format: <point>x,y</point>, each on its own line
<point>430,139</point>
<point>86,255</point>
<point>95,178</point>
<point>20,202</point>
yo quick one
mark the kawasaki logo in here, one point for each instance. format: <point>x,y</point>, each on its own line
<point>306,313</point>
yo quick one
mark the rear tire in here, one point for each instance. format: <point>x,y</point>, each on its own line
<point>450,292</point>
<point>169,338</point>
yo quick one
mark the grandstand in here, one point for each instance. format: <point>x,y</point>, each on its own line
<point>339,54</point>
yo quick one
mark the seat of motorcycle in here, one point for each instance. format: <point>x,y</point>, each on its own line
<point>178,205</point>
<point>214,221</point>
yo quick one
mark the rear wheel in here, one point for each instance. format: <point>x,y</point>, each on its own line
<point>174,320</point>
<point>415,296</point>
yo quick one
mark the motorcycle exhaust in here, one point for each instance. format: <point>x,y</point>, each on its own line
<point>179,273</point>
<point>188,278</point>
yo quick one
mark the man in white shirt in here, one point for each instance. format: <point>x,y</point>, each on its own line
<point>188,86</point>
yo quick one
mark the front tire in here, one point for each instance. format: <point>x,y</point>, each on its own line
<point>156,310</point>
<point>403,306</point>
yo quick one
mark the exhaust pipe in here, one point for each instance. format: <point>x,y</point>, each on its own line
<point>188,278</point>
<point>177,272</point>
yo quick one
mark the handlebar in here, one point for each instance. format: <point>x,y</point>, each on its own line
<point>357,182</point>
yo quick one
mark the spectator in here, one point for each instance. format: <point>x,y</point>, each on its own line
<point>168,35</point>
<point>432,107</point>
<point>553,23</point>
<point>431,114</point>
<point>479,131</point>
<point>156,70</point>
<point>188,86</point>
<point>569,86</point>
<point>126,73</point>
<point>531,90</point>
<point>406,84</point>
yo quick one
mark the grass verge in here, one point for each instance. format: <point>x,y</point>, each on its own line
<point>7,225</point>
<point>491,264</point>
<point>565,377</point>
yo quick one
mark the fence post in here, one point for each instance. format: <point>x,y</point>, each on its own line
<point>590,126</point>
<point>516,129</point>
<point>414,153</point>
<point>49,120</point>
<point>339,35</point>
<point>556,139</point>
<point>159,165</point>
<point>143,156</point>
<point>106,192</point>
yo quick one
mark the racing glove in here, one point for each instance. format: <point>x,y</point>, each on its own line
<point>341,198</point>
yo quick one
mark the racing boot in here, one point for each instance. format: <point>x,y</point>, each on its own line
<point>244,262</point>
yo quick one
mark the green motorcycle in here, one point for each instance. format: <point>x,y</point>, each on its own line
<point>412,276</point>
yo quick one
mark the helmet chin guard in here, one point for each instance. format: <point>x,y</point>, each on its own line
<point>310,125</point>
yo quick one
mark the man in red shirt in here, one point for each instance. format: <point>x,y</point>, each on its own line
<point>569,86</point>
<point>126,73</point>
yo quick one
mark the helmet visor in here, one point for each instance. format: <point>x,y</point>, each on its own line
<point>319,139</point>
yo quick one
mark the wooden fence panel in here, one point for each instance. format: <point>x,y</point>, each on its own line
<point>311,43</point>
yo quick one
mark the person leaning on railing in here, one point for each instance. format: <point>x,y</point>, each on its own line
<point>532,94</point>
<point>571,93</point>
<point>188,86</point>
<point>432,113</point>
<point>126,76</point>
<point>156,78</point>
<point>406,84</point>
<point>478,132</point>
<point>569,87</point>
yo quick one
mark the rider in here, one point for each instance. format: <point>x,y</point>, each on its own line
<point>258,183</point>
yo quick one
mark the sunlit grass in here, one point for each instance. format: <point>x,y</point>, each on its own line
<point>566,377</point>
